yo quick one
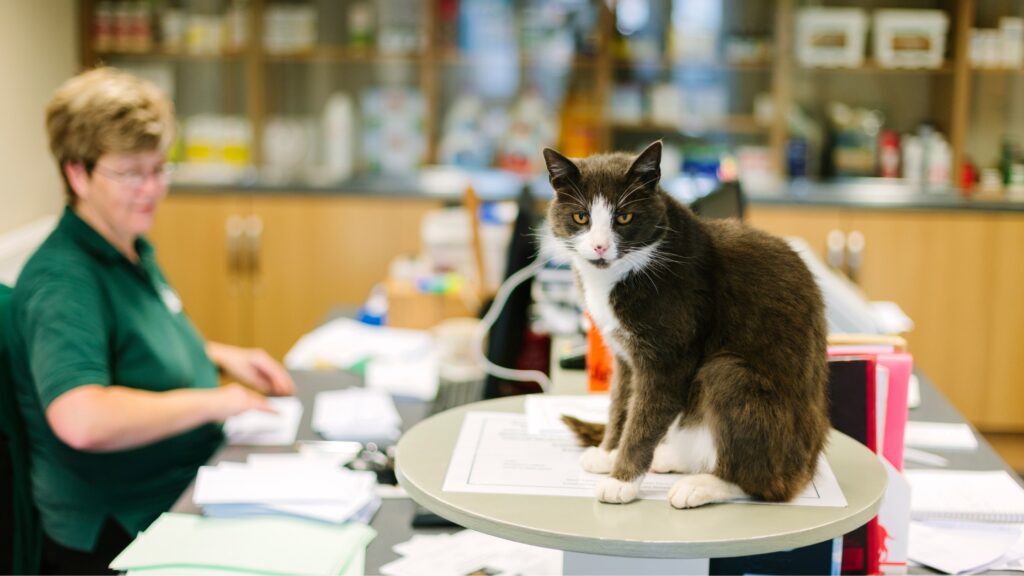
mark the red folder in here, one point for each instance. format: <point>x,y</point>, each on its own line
<point>900,366</point>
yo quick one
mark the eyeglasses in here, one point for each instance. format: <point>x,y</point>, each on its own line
<point>136,179</point>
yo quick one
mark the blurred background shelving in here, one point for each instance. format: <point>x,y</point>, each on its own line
<point>342,123</point>
<point>483,84</point>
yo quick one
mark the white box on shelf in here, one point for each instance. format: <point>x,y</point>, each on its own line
<point>1011,31</point>
<point>910,38</point>
<point>831,37</point>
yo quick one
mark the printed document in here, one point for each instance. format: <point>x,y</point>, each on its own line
<point>258,428</point>
<point>496,454</point>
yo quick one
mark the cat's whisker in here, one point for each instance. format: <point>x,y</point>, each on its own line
<point>575,194</point>
<point>622,205</point>
<point>633,189</point>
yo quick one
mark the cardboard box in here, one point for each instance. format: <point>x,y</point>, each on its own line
<point>410,308</point>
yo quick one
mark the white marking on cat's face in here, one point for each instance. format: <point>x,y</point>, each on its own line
<point>597,288</point>
<point>597,245</point>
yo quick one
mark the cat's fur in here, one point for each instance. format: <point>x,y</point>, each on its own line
<point>717,331</point>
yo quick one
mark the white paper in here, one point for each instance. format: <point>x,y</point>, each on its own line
<point>343,342</point>
<point>495,454</point>
<point>356,414</point>
<point>965,494</point>
<point>294,460</point>
<point>258,428</point>
<point>413,377</point>
<point>245,484</point>
<point>893,521</point>
<point>471,552</point>
<point>940,435</point>
<point>544,412</point>
<point>335,512</point>
<point>958,548</point>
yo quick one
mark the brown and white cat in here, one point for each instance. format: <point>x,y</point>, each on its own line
<point>717,331</point>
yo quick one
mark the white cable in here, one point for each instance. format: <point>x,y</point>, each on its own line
<point>500,298</point>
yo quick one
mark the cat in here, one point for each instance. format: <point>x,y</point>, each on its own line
<point>717,331</point>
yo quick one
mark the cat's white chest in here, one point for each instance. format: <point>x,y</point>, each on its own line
<point>597,288</point>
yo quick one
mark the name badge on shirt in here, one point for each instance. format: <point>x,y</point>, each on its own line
<point>170,298</point>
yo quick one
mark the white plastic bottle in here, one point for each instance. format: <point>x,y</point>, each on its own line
<point>339,132</point>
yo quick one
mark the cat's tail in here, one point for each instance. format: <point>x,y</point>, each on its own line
<point>587,433</point>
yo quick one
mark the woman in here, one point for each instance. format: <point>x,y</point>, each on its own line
<point>119,392</point>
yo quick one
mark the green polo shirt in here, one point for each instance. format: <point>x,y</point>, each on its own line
<point>85,314</point>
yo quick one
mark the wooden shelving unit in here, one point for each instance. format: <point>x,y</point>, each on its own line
<point>950,96</point>
<point>167,55</point>
<point>871,66</point>
<point>730,125</point>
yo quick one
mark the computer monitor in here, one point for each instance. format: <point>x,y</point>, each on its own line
<point>725,201</point>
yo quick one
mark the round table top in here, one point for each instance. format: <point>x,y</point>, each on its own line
<point>643,528</point>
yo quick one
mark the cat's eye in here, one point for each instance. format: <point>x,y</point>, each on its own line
<point>580,218</point>
<point>624,218</point>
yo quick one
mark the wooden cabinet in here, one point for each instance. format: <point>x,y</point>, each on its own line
<point>958,276</point>
<point>263,270</point>
<point>812,224</point>
<point>191,243</point>
<point>1005,350</point>
<point>935,265</point>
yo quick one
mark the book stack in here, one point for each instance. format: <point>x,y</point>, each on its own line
<point>868,384</point>
<point>299,486</point>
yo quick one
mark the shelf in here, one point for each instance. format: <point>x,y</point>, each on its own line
<point>727,125</point>
<point>872,67</point>
<point>525,60</point>
<point>998,71</point>
<point>170,56</point>
<point>342,55</point>
<point>626,64</point>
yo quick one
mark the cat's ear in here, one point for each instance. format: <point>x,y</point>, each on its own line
<point>560,168</point>
<point>648,164</point>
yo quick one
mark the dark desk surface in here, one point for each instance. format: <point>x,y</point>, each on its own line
<point>393,521</point>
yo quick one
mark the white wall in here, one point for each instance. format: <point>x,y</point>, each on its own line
<point>38,51</point>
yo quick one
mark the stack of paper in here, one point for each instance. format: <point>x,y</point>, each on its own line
<point>966,547</point>
<point>400,361</point>
<point>258,428</point>
<point>470,552</point>
<point>941,436</point>
<point>306,486</point>
<point>966,521</point>
<point>189,544</point>
<point>977,495</point>
<point>356,414</point>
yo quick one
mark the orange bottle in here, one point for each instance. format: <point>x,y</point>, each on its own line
<point>599,361</point>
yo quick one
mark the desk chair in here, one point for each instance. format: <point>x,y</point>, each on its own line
<point>20,533</point>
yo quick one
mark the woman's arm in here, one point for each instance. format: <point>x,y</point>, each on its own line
<point>96,418</point>
<point>252,367</point>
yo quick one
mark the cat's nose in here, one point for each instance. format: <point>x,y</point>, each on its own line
<point>600,249</point>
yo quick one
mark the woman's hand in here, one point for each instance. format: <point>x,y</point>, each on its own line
<point>235,399</point>
<point>252,367</point>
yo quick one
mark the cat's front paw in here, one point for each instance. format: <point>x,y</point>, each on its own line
<point>701,489</point>
<point>615,491</point>
<point>597,460</point>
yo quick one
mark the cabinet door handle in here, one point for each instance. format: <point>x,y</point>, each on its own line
<point>855,255</point>
<point>254,239</point>
<point>233,231</point>
<point>835,255</point>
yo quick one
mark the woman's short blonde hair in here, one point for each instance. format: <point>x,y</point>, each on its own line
<point>106,110</point>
